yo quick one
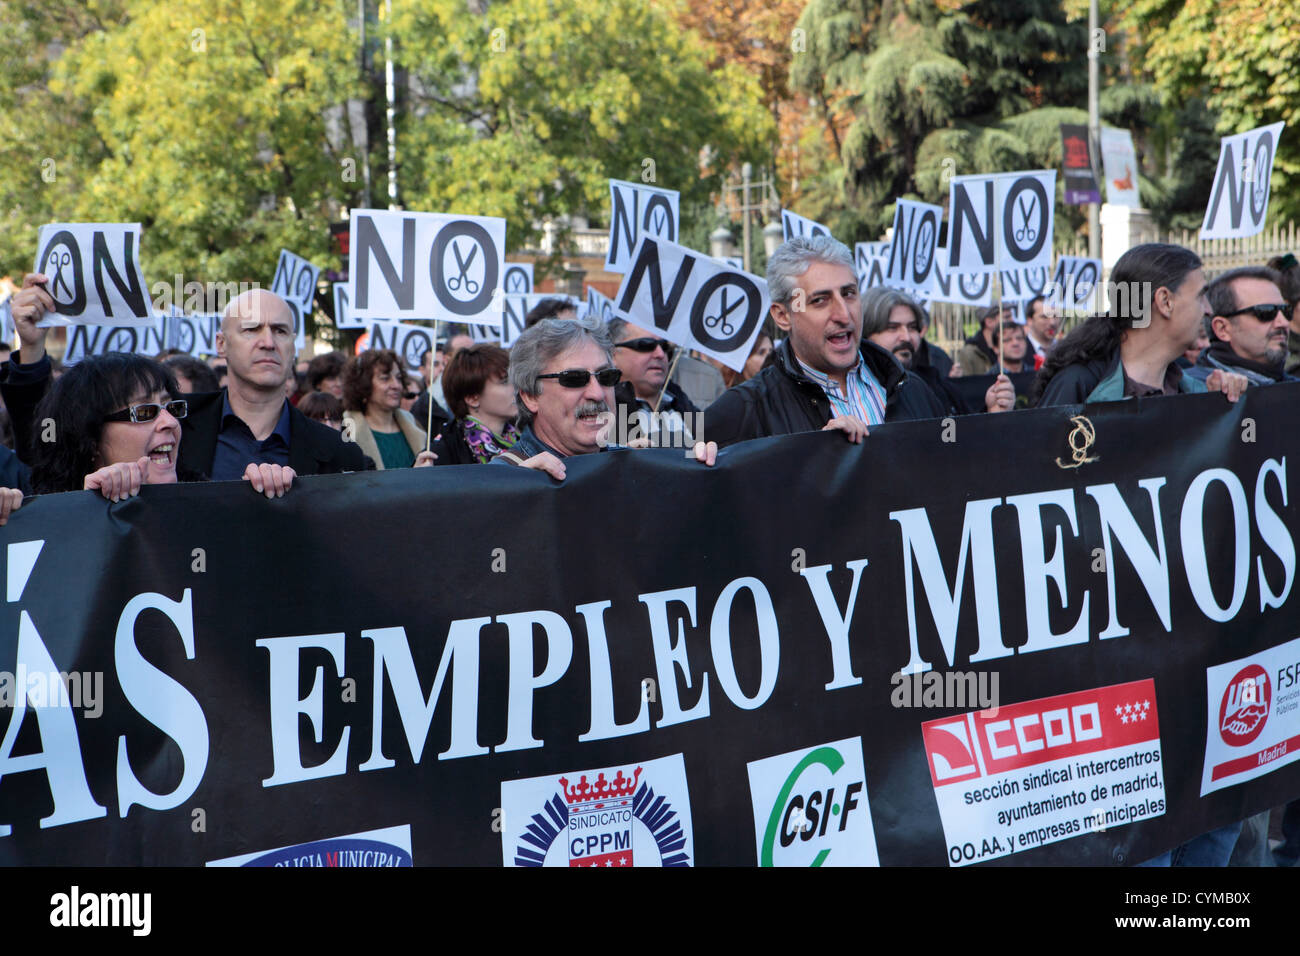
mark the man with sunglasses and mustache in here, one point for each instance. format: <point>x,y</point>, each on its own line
<point>564,374</point>
<point>1247,328</point>
<point>644,358</point>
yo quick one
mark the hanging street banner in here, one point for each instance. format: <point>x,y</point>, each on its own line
<point>94,274</point>
<point>1239,197</point>
<point>1001,221</point>
<point>638,210</point>
<point>694,301</point>
<point>423,265</point>
<point>1078,163</point>
<point>1119,161</point>
<point>1085,659</point>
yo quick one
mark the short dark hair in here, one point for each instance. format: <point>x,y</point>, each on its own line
<point>548,308</point>
<point>1002,328</point>
<point>468,373</point>
<point>325,366</point>
<point>1223,300</point>
<point>359,376</point>
<point>321,407</point>
<point>76,404</point>
<point>199,374</point>
<point>1029,306</point>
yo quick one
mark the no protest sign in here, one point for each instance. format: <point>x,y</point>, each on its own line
<point>423,265</point>
<point>793,224</point>
<point>94,273</point>
<point>637,210</point>
<point>1239,197</point>
<point>706,306</point>
<point>1001,221</point>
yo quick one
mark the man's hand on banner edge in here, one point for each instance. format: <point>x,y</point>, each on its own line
<point>1231,384</point>
<point>706,452</point>
<point>854,430</point>
<point>1001,395</point>
<point>270,480</point>
<point>548,463</point>
<point>11,499</point>
<point>425,459</point>
<point>120,481</point>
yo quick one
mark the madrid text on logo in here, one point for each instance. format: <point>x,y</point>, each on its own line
<point>796,815</point>
<point>597,819</point>
<point>1243,712</point>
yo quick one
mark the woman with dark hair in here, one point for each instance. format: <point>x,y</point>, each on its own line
<point>373,385</point>
<point>481,397</point>
<point>114,425</point>
<point>1157,306</point>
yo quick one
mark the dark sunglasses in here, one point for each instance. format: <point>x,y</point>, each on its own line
<point>647,345</point>
<point>579,377</point>
<point>139,414</point>
<point>1264,312</point>
<point>410,395</point>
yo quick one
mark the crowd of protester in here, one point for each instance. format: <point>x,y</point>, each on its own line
<point>844,361</point>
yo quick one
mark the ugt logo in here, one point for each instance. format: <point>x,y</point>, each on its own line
<point>811,808</point>
<point>1244,708</point>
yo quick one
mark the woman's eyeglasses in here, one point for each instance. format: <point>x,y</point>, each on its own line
<point>579,377</point>
<point>147,412</point>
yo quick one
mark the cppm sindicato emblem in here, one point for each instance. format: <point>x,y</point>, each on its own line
<point>633,815</point>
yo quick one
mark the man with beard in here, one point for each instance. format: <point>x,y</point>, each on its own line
<point>1248,326</point>
<point>564,375</point>
<point>643,358</point>
<point>824,375</point>
<point>896,322</point>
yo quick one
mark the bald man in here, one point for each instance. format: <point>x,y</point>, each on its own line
<point>250,421</point>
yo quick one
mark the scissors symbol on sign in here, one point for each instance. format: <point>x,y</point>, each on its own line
<point>516,280</point>
<point>60,259</point>
<point>721,321</point>
<point>1026,233</point>
<point>454,283</point>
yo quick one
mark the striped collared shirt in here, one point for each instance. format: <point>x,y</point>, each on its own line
<point>863,399</point>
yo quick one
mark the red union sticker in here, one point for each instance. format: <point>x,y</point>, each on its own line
<point>1044,770</point>
<point>1253,716</point>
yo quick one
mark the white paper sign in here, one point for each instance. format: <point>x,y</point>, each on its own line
<point>421,265</point>
<point>1074,284</point>
<point>599,305</point>
<point>637,210</point>
<point>793,224</point>
<point>295,280</point>
<point>1001,221</point>
<point>911,253</point>
<point>963,288</point>
<point>870,260</point>
<point>1239,197</point>
<point>410,342</point>
<point>693,301</point>
<point>7,329</point>
<point>514,314</point>
<point>518,278</point>
<point>84,340</point>
<point>1120,165</point>
<point>195,334</point>
<point>94,274</point>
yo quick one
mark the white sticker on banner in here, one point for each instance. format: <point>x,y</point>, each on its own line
<point>1253,716</point>
<point>518,278</point>
<point>295,280</point>
<point>1029,774</point>
<point>633,814</point>
<point>693,301</point>
<point>84,340</point>
<point>962,288</point>
<point>1001,221</point>
<point>390,846</point>
<point>793,224</point>
<point>601,306</point>
<point>811,807</point>
<point>637,210</point>
<point>869,262</point>
<point>912,251</point>
<point>1239,197</point>
<point>94,274</point>
<point>1075,283</point>
<point>410,342</point>
<point>421,265</point>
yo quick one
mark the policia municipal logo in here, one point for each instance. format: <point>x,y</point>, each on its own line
<point>597,821</point>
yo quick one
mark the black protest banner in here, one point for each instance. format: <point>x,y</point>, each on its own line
<point>94,273</point>
<point>268,681</point>
<point>971,388</point>
<point>1239,196</point>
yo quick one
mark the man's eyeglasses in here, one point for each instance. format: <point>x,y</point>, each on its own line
<point>579,377</point>
<point>177,408</point>
<point>646,345</point>
<point>1264,312</point>
<point>409,396</point>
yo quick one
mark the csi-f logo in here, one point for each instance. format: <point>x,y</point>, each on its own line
<point>1243,711</point>
<point>811,808</point>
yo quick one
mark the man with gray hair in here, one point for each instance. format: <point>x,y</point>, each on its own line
<point>564,375</point>
<point>824,377</point>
